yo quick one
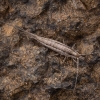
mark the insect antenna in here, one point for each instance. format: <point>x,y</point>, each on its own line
<point>77,73</point>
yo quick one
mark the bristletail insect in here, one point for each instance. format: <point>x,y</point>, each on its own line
<point>56,46</point>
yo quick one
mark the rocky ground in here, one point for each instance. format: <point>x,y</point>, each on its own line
<point>30,71</point>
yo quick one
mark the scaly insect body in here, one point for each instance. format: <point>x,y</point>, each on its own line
<point>55,45</point>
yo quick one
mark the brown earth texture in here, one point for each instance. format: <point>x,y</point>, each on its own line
<point>31,71</point>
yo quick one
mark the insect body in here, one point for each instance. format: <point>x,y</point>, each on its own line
<point>55,45</point>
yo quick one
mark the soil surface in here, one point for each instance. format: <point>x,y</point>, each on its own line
<point>31,71</point>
